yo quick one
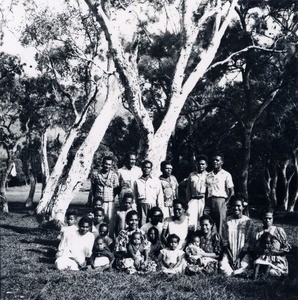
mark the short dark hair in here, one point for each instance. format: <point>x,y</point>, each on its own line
<point>103,225</point>
<point>99,209</point>
<point>208,218</point>
<point>202,157</point>
<point>130,214</point>
<point>71,212</point>
<point>85,220</point>
<point>146,161</point>
<point>127,195</point>
<point>267,210</point>
<point>218,154</point>
<point>164,163</point>
<point>153,210</point>
<point>173,236</point>
<point>134,234</point>
<point>107,157</point>
<point>183,204</point>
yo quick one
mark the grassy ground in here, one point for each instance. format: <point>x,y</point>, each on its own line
<point>27,272</point>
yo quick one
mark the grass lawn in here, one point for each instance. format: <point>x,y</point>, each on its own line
<point>27,271</point>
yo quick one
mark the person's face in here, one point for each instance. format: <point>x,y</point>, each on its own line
<point>71,219</point>
<point>151,235</point>
<point>206,226</point>
<point>197,241</point>
<point>202,165</point>
<point>128,203</point>
<point>131,161</point>
<point>268,220</point>
<point>178,211</point>
<point>167,170</point>
<point>136,240</point>
<point>97,204</point>
<point>238,208</point>
<point>173,244</point>
<point>107,165</point>
<point>100,244</point>
<point>133,222</point>
<point>156,218</point>
<point>217,162</point>
<point>146,169</point>
<point>103,231</point>
<point>268,242</point>
<point>98,217</point>
<point>84,228</point>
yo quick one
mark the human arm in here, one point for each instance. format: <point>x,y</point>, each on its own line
<point>131,254</point>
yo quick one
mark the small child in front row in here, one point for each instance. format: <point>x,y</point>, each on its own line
<point>71,220</point>
<point>172,258</point>
<point>268,261</point>
<point>103,232</point>
<point>102,257</point>
<point>138,256</point>
<point>153,238</point>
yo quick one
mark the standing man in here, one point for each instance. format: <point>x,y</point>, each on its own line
<point>105,184</point>
<point>128,174</point>
<point>220,189</point>
<point>196,190</point>
<point>148,192</point>
<point>169,185</point>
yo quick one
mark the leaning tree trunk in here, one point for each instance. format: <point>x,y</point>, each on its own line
<point>286,183</point>
<point>32,179</point>
<point>45,170</point>
<point>293,201</point>
<point>4,178</point>
<point>82,162</point>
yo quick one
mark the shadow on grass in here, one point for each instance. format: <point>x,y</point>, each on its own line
<point>21,230</point>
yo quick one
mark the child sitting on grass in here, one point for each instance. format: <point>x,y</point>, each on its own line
<point>156,246</point>
<point>103,232</point>
<point>269,260</point>
<point>172,258</point>
<point>71,219</point>
<point>102,257</point>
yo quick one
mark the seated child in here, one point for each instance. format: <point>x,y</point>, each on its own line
<point>103,232</point>
<point>138,255</point>
<point>99,218</point>
<point>269,261</point>
<point>126,206</point>
<point>172,258</point>
<point>102,257</point>
<point>71,219</point>
<point>153,238</point>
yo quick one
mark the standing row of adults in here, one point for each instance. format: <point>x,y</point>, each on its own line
<point>217,185</point>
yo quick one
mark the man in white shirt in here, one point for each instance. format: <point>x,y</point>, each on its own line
<point>128,174</point>
<point>220,189</point>
<point>196,190</point>
<point>148,192</point>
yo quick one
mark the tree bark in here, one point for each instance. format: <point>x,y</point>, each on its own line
<point>294,198</point>
<point>286,183</point>
<point>82,162</point>
<point>45,171</point>
<point>32,179</point>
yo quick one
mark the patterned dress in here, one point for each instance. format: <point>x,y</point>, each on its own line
<point>278,263</point>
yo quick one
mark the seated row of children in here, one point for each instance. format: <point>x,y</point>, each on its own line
<point>145,249</point>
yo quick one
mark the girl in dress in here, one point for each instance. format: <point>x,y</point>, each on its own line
<point>172,258</point>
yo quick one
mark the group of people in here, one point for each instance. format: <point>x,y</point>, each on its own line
<point>151,229</point>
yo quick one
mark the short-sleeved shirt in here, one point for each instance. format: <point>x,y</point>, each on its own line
<point>104,185</point>
<point>149,191</point>
<point>218,184</point>
<point>196,184</point>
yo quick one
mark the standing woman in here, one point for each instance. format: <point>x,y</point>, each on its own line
<point>75,247</point>
<point>277,255</point>
<point>238,235</point>
<point>177,224</point>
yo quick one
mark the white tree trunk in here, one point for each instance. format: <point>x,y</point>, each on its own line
<point>81,165</point>
<point>45,170</point>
